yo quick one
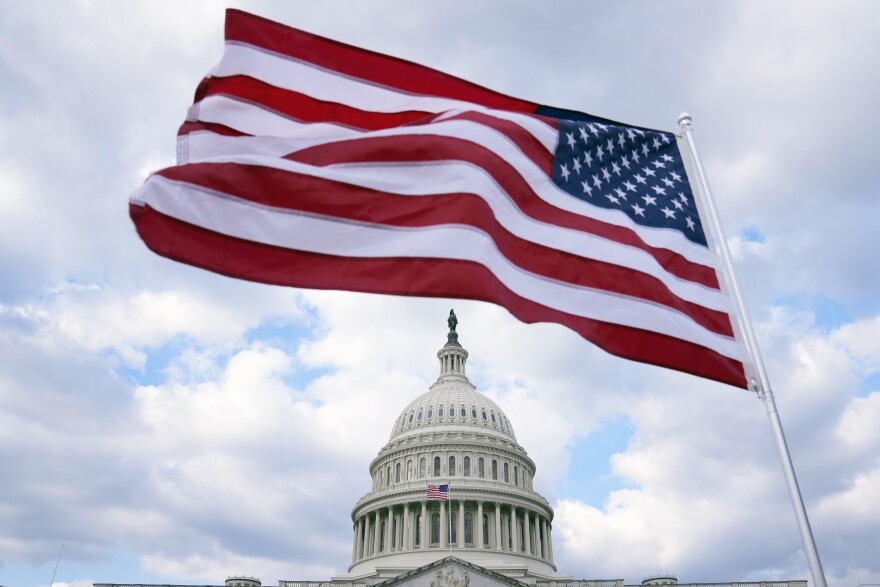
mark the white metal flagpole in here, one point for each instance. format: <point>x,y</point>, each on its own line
<point>762,384</point>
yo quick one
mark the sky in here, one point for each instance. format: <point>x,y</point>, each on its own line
<point>168,425</point>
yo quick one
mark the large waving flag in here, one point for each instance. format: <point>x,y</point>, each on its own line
<point>310,163</point>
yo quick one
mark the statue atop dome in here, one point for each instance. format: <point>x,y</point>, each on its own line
<point>452,337</point>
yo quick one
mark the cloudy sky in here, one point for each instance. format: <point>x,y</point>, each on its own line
<point>167,425</point>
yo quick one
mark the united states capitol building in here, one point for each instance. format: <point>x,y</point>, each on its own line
<point>492,530</point>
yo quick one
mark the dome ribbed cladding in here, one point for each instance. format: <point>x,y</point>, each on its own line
<point>431,410</point>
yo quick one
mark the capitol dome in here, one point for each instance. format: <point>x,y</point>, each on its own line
<point>452,438</point>
<point>452,403</point>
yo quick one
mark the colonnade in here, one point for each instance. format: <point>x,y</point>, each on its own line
<point>476,524</point>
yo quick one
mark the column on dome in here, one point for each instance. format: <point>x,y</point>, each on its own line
<point>386,538</point>
<point>423,538</point>
<point>549,542</point>
<point>536,534</point>
<point>479,537</point>
<point>354,546</point>
<point>499,543</point>
<point>514,527</point>
<point>527,531</point>
<point>444,527</point>
<point>393,529</point>
<point>539,548</point>
<point>407,528</point>
<point>377,523</point>
<point>460,529</point>
<point>545,551</point>
<point>365,548</point>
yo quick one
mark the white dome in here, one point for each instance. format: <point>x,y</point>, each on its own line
<point>458,443</point>
<point>452,405</point>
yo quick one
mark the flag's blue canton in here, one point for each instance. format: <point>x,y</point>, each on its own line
<point>638,172</point>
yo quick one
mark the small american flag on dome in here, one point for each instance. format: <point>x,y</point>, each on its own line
<point>438,492</point>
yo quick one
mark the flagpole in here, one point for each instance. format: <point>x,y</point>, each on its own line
<point>449,517</point>
<point>762,384</point>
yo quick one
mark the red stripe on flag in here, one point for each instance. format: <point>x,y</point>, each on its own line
<point>305,108</point>
<point>190,127</point>
<point>415,277</point>
<point>361,63</point>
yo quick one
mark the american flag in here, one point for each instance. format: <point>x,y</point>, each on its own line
<point>440,492</point>
<point>310,163</point>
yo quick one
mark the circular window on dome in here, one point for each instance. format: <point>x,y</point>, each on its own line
<point>473,412</point>
<point>430,413</point>
<point>484,415</point>
<point>440,412</point>
<point>419,417</point>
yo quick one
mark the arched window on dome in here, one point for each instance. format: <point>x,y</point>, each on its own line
<point>493,417</point>
<point>481,468</point>
<point>474,412</point>
<point>419,417</point>
<point>411,414</point>
<point>484,416</point>
<point>440,412</point>
<point>466,466</point>
<point>463,412</point>
<point>409,470</point>
<point>397,473</point>
<point>515,476</point>
<point>506,476</point>
<point>436,466</point>
<point>423,468</point>
<point>451,466</point>
<point>388,476</point>
<point>435,528</point>
<point>381,478</point>
<point>494,470</point>
<point>430,412</point>
<point>451,411</point>
<point>468,528</point>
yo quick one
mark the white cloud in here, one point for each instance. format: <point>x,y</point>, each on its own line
<point>200,471</point>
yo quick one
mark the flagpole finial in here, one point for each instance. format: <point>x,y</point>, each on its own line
<point>684,119</point>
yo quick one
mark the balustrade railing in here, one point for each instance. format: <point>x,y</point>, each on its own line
<point>581,583</point>
<point>465,484</point>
